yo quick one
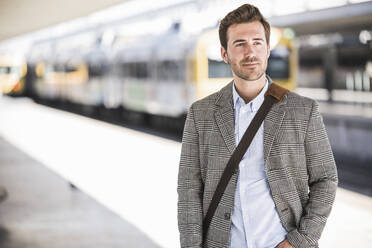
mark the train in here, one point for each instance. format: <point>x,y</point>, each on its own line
<point>13,70</point>
<point>145,77</point>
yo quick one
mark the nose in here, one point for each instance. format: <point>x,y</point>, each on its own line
<point>248,51</point>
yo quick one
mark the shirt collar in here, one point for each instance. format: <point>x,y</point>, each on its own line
<point>254,104</point>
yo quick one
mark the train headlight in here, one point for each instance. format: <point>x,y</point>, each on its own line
<point>39,70</point>
<point>365,36</point>
<point>288,33</point>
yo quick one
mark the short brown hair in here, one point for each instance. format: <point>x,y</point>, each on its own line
<point>245,13</point>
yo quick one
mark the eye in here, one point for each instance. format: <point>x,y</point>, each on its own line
<point>258,43</point>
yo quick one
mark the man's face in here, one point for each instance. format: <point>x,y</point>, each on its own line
<point>247,51</point>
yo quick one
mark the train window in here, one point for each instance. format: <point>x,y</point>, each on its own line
<point>141,70</point>
<point>135,70</point>
<point>96,70</point>
<point>70,68</point>
<point>5,70</point>
<point>132,70</point>
<point>278,64</point>
<point>58,68</point>
<point>170,70</point>
<point>278,68</point>
<point>218,69</point>
<point>121,70</point>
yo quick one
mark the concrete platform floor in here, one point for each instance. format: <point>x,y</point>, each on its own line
<point>105,162</point>
<point>42,210</point>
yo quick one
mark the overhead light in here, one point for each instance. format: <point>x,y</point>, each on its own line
<point>365,36</point>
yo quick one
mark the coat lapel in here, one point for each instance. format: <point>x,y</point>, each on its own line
<point>272,124</point>
<point>225,116</point>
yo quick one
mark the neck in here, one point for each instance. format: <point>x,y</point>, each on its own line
<point>248,90</point>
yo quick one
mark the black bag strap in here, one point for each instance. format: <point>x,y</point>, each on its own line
<point>273,95</point>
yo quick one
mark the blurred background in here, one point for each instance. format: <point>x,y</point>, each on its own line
<point>94,95</point>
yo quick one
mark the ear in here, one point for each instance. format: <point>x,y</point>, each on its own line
<point>268,50</point>
<point>224,55</point>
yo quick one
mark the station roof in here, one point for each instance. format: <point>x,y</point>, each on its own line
<point>18,17</point>
<point>337,19</point>
<point>21,16</point>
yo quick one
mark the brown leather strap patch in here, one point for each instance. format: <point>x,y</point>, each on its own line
<point>276,91</point>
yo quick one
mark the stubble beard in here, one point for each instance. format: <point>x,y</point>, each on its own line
<point>250,74</point>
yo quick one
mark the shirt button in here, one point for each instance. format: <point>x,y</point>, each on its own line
<point>227,216</point>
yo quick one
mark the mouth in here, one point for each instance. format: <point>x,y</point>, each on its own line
<point>249,64</point>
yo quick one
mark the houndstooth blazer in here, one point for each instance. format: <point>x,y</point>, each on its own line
<point>298,160</point>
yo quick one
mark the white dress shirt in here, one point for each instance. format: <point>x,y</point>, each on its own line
<point>255,220</point>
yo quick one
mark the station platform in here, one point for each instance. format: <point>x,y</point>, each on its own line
<point>43,210</point>
<point>126,185</point>
<point>346,109</point>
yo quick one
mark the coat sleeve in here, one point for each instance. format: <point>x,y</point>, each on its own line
<point>323,182</point>
<point>190,187</point>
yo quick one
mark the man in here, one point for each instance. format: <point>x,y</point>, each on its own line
<point>284,189</point>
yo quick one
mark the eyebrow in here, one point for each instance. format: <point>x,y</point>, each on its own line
<point>241,40</point>
<point>236,41</point>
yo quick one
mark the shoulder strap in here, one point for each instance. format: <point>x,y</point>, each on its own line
<point>273,95</point>
<point>276,91</point>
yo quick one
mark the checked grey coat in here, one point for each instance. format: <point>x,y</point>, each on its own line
<point>299,165</point>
